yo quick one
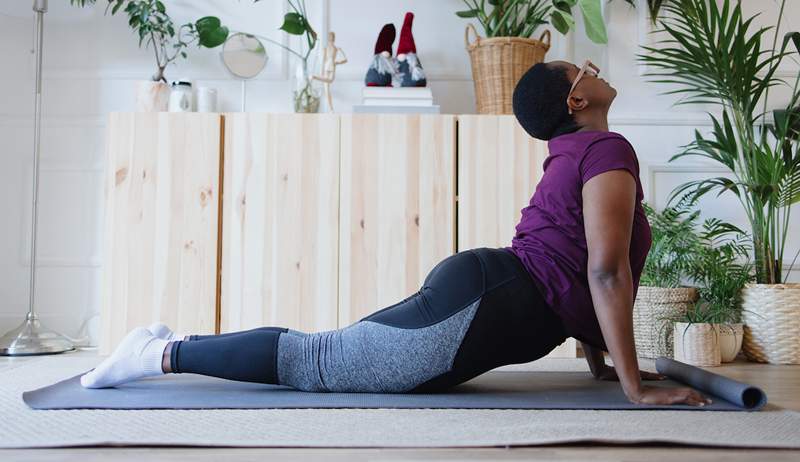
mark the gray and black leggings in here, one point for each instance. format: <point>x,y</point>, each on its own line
<point>477,310</point>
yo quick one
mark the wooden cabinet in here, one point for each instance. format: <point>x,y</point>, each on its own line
<point>397,217</point>
<point>161,218</point>
<point>320,220</point>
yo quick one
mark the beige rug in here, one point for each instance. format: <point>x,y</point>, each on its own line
<point>22,427</point>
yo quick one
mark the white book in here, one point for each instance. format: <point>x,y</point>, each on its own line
<point>396,92</point>
<point>397,102</point>
<point>362,108</point>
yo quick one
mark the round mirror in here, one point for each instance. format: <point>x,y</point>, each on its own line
<point>244,55</point>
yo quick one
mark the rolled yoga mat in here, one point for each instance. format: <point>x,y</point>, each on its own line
<point>741,394</point>
<point>492,390</point>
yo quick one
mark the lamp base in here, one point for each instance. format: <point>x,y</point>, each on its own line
<point>30,338</point>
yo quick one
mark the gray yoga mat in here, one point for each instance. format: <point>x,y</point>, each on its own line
<point>492,390</point>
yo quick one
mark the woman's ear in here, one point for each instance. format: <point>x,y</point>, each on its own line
<point>577,103</point>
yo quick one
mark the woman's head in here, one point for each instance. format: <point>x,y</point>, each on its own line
<point>540,100</point>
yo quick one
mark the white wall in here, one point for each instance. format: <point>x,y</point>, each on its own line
<point>92,62</point>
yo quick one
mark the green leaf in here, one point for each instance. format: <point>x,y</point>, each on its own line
<point>293,23</point>
<point>561,21</point>
<point>467,14</point>
<point>593,20</point>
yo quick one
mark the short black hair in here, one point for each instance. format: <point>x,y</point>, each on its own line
<point>539,102</point>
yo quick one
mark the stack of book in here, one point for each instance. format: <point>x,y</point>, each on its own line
<point>397,100</point>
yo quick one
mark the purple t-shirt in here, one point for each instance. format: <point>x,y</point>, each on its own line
<point>550,238</point>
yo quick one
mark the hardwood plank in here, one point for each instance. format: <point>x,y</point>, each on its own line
<point>280,221</point>
<point>397,218</point>
<point>160,240</point>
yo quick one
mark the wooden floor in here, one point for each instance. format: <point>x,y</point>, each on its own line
<point>780,382</point>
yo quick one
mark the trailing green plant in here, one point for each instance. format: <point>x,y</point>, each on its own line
<point>714,58</point>
<point>672,232</point>
<point>149,19</point>
<point>521,18</point>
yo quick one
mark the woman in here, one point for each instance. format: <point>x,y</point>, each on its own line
<point>572,270</point>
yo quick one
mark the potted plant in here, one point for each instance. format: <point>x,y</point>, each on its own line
<point>720,268</point>
<point>714,58</point>
<point>306,95</point>
<point>661,296</point>
<point>507,51</point>
<point>150,21</point>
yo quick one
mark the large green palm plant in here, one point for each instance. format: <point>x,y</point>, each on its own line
<point>714,57</point>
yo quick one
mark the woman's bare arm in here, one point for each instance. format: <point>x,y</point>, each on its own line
<point>594,357</point>
<point>608,206</point>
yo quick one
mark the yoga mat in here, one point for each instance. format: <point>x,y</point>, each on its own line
<point>493,390</point>
<point>741,394</point>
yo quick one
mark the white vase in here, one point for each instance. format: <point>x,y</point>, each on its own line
<point>697,344</point>
<point>151,96</point>
<point>730,340</point>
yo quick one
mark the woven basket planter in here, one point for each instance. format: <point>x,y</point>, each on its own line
<point>497,65</point>
<point>652,309</point>
<point>771,314</point>
<point>697,344</point>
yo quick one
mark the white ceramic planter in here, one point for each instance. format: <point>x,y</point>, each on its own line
<point>730,340</point>
<point>697,344</point>
<point>151,96</point>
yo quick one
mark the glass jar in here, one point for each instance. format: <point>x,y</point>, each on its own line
<point>306,95</point>
<point>180,98</point>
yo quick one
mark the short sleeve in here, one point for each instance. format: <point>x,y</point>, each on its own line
<point>610,153</point>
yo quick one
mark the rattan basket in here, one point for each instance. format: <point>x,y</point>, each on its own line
<point>771,314</point>
<point>497,65</point>
<point>697,344</point>
<point>652,309</point>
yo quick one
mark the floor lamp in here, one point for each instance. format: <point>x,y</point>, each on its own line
<point>30,338</point>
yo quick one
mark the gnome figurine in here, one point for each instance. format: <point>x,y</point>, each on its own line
<point>383,67</point>
<point>410,73</point>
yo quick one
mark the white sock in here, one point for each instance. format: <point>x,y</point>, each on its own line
<point>138,355</point>
<point>163,331</point>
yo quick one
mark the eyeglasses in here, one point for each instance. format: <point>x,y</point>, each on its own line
<point>589,67</point>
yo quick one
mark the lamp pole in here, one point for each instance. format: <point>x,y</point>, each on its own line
<point>30,338</point>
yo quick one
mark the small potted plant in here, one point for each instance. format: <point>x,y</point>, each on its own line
<point>507,51</point>
<point>155,29</point>
<point>661,295</point>
<point>720,268</point>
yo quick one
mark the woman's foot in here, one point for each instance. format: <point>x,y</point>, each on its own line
<point>162,331</point>
<point>138,355</point>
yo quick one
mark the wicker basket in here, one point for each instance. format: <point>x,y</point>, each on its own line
<point>697,344</point>
<point>771,314</point>
<point>497,65</point>
<point>652,309</point>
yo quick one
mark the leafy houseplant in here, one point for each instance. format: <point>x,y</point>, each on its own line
<point>295,22</point>
<point>661,296</point>
<point>149,19</point>
<point>520,18</point>
<point>714,58</point>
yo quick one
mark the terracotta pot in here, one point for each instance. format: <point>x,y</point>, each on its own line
<point>151,96</point>
<point>730,340</point>
<point>697,344</point>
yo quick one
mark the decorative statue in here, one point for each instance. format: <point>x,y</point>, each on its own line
<point>329,64</point>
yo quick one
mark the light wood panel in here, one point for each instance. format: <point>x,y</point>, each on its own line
<point>161,219</point>
<point>280,221</point>
<point>499,165</point>
<point>397,217</point>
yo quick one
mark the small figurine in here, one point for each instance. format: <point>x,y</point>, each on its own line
<point>409,69</point>
<point>383,67</point>
<point>329,64</point>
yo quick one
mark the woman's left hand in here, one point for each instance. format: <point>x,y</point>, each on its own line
<point>609,373</point>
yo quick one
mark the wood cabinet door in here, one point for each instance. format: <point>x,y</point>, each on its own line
<point>161,219</point>
<point>499,165</point>
<point>397,217</point>
<point>280,221</point>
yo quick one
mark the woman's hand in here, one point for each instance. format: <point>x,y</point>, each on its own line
<point>608,373</point>
<point>661,395</point>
